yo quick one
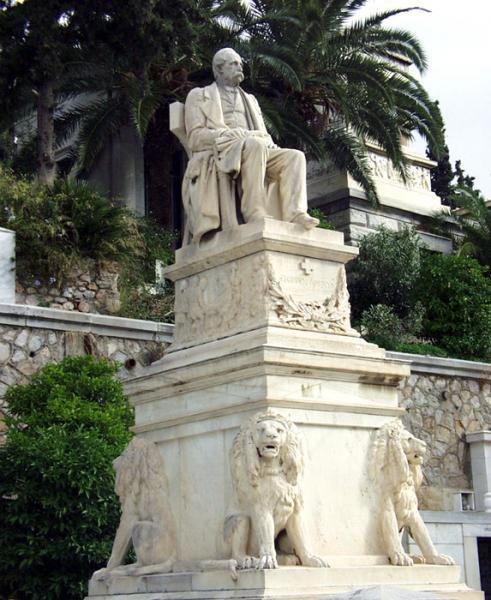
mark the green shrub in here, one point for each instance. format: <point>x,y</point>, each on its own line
<point>324,222</point>
<point>70,223</point>
<point>381,325</point>
<point>456,294</point>
<point>58,511</point>
<point>148,302</point>
<point>385,271</point>
<point>62,225</point>
<point>141,298</point>
<point>421,348</point>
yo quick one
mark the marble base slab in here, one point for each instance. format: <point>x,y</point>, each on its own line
<point>285,583</point>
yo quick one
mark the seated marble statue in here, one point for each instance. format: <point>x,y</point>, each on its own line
<point>225,133</point>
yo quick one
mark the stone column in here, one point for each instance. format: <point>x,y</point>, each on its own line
<point>7,266</point>
<point>480,443</point>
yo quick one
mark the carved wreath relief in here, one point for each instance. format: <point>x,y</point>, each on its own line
<point>331,315</point>
<point>251,292</point>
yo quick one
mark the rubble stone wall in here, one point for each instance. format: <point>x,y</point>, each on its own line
<point>31,337</point>
<point>445,399</point>
<point>93,289</point>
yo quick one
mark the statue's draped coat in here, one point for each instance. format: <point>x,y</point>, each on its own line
<point>204,126</point>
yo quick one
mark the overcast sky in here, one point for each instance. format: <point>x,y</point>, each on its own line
<point>456,36</point>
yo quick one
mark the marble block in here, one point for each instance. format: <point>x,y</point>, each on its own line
<point>7,266</point>
<point>263,273</point>
<point>291,583</point>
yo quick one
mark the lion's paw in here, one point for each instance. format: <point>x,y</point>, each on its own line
<point>247,562</point>
<point>267,561</point>
<point>313,561</point>
<point>101,574</point>
<point>440,559</point>
<point>418,559</point>
<point>401,559</point>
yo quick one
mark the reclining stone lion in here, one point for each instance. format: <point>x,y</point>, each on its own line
<point>146,517</point>
<point>396,464</point>
<point>267,463</point>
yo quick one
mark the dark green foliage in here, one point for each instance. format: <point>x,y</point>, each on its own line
<point>380,324</point>
<point>475,220</point>
<point>58,511</point>
<point>141,297</point>
<point>442,175</point>
<point>324,222</point>
<point>456,294</point>
<point>330,81</point>
<point>70,222</point>
<point>420,348</point>
<point>385,271</point>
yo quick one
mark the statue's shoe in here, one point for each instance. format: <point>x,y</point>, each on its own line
<point>306,221</point>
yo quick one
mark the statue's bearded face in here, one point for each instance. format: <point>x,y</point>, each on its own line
<point>231,71</point>
<point>270,437</point>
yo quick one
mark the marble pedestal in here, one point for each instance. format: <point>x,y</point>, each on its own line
<point>286,583</point>
<point>262,320</point>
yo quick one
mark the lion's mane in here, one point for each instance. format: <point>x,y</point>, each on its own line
<point>389,461</point>
<point>141,482</point>
<point>246,461</point>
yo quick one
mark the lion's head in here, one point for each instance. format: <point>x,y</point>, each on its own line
<point>398,455</point>
<point>264,437</point>
<point>139,468</point>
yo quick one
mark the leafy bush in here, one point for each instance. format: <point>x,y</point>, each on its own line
<point>381,325</point>
<point>148,302</point>
<point>456,293</point>
<point>324,222</point>
<point>70,223</point>
<point>58,511</point>
<point>62,225</point>
<point>385,271</point>
<point>421,348</point>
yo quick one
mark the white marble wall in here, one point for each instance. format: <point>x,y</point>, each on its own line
<point>7,266</point>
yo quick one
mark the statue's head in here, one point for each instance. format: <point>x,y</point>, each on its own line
<point>227,67</point>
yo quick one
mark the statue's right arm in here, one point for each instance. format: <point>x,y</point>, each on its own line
<point>200,137</point>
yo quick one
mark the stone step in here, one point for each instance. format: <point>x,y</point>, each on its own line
<point>285,583</point>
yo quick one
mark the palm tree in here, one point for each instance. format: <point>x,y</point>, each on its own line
<point>474,217</point>
<point>326,81</point>
<point>333,82</point>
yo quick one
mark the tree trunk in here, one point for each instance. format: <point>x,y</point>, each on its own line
<point>46,134</point>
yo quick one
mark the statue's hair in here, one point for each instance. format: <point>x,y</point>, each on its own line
<point>220,58</point>
<point>245,453</point>
<point>388,459</point>
<point>140,466</point>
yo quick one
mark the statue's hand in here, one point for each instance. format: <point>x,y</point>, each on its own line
<point>237,133</point>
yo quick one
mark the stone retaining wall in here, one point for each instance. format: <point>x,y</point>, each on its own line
<point>91,289</point>
<point>445,399</point>
<point>31,337</point>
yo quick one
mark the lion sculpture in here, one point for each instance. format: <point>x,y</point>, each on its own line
<point>397,461</point>
<point>267,462</point>
<point>146,517</point>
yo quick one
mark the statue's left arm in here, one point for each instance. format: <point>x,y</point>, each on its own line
<point>258,117</point>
